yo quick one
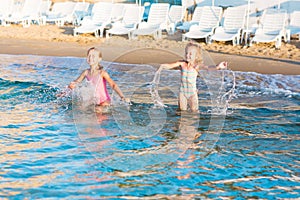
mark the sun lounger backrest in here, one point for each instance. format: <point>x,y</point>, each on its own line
<point>58,7</point>
<point>158,13</point>
<point>273,22</point>
<point>210,17</point>
<point>197,14</point>
<point>295,19</point>
<point>176,13</point>
<point>82,6</point>
<point>31,7</point>
<point>45,7</point>
<point>5,8</point>
<point>101,12</point>
<point>133,14</point>
<point>234,18</point>
<point>117,11</point>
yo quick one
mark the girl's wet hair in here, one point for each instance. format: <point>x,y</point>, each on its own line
<point>199,59</point>
<point>96,49</point>
<point>99,54</point>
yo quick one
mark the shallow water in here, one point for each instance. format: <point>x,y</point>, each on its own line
<point>54,147</point>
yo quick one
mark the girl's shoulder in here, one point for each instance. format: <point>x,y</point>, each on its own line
<point>86,72</point>
<point>183,64</point>
<point>103,73</point>
<point>183,61</point>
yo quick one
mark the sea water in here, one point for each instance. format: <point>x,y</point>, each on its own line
<point>244,142</point>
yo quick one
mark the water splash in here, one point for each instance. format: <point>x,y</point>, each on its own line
<point>154,85</point>
<point>225,94</point>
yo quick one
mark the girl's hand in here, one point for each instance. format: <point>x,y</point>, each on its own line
<point>127,100</point>
<point>64,93</point>
<point>61,94</point>
<point>222,65</point>
<point>72,85</point>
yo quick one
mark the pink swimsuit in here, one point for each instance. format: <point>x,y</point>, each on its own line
<point>101,92</point>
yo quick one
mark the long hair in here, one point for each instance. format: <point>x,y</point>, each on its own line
<point>99,54</point>
<point>198,59</point>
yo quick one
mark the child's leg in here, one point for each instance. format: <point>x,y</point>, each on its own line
<point>103,109</point>
<point>194,103</point>
<point>182,102</point>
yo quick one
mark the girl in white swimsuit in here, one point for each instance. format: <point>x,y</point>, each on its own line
<point>188,93</point>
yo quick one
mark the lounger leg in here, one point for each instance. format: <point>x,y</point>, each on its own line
<point>234,42</point>
<point>238,40</point>
<point>129,36</point>
<point>101,30</point>
<point>133,36</point>
<point>159,34</point>
<point>288,36</point>
<point>155,35</point>
<point>208,39</point>
<point>26,23</point>
<point>278,43</point>
<point>171,29</point>
<point>96,33</point>
<point>250,42</point>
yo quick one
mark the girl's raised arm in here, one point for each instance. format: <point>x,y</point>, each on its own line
<point>72,85</point>
<point>220,66</point>
<point>169,65</point>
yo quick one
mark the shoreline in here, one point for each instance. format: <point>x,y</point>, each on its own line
<point>244,63</point>
<point>51,40</point>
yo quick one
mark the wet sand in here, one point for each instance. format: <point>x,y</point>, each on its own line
<point>51,40</point>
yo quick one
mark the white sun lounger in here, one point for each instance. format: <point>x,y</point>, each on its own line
<point>132,17</point>
<point>80,11</point>
<point>176,15</point>
<point>61,12</point>
<point>272,28</point>
<point>294,25</point>
<point>231,30</point>
<point>5,10</point>
<point>100,19</point>
<point>209,20</point>
<point>44,9</point>
<point>194,21</point>
<point>117,12</point>
<point>157,18</point>
<point>29,13</point>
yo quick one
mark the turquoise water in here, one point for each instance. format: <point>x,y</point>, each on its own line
<point>54,147</point>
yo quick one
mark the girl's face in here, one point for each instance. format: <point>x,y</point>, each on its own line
<point>93,58</point>
<point>191,54</point>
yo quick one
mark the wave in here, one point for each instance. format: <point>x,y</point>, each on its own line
<point>251,83</point>
<point>26,91</point>
<point>54,73</point>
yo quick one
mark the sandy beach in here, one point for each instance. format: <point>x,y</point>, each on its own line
<point>51,40</point>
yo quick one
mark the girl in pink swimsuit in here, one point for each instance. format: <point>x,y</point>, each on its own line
<point>188,93</point>
<point>98,78</point>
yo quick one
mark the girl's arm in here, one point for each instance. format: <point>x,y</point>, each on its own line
<point>220,66</point>
<point>169,65</point>
<point>73,84</point>
<point>113,85</point>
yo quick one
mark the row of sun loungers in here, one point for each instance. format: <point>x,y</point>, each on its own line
<point>208,22</point>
